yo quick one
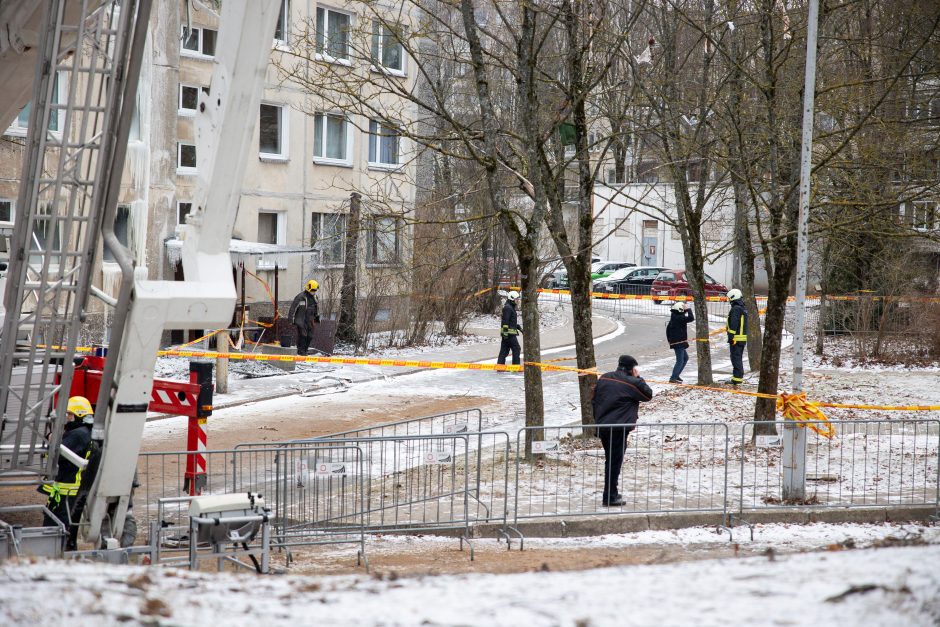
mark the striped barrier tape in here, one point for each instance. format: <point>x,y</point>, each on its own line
<point>352,361</point>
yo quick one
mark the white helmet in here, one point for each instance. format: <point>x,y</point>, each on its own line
<point>513,295</point>
<point>678,307</point>
<point>734,294</point>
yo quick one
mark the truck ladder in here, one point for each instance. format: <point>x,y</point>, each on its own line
<point>72,152</point>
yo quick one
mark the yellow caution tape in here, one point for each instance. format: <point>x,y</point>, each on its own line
<point>355,361</point>
<point>797,408</point>
<point>204,337</point>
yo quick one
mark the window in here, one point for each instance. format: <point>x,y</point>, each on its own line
<point>387,51</point>
<point>331,139</point>
<point>273,132</point>
<point>612,178</point>
<point>272,229</point>
<point>646,172</point>
<point>333,34</point>
<point>923,216</point>
<point>329,237</point>
<point>6,210</point>
<point>383,145</point>
<point>198,42</point>
<point>383,240</point>
<point>189,98</point>
<point>121,229</point>
<point>46,234</point>
<point>186,159</point>
<point>20,125</point>
<point>281,31</point>
<point>183,209</point>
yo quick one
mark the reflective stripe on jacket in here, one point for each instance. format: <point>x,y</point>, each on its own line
<point>737,322</point>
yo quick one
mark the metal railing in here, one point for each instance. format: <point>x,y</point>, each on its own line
<point>440,482</point>
<point>867,464</point>
<point>667,468</point>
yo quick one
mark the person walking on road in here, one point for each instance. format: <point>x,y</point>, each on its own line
<point>510,330</point>
<point>305,315</point>
<point>737,335</point>
<point>74,450</point>
<point>617,399</point>
<point>677,335</point>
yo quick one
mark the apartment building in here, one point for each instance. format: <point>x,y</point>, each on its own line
<point>310,158</point>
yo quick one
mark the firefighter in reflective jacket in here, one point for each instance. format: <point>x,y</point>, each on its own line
<point>305,314</point>
<point>73,458</point>
<point>737,335</point>
<point>510,330</point>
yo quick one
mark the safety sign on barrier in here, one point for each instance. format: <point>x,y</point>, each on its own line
<point>545,446</point>
<point>458,427</point>
<point>441,456</point>
<point>325,470</point>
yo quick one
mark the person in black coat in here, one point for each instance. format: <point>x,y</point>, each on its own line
<point>678,337</point>
<point>305,315</point>
<point>617,399</point>
<point>509,331</point>
<point>737,335</point>
<point>62,492</point>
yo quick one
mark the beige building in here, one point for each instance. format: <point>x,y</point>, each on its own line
<point>311,156</point>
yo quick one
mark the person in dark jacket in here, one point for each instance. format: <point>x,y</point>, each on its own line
<point>617,399</point>
<point>678,337</point>
<point>62,492</point>
<point>510,330</point>
<point>305,315</point>
<point>737,335</point>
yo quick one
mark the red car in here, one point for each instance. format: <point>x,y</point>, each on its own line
<point>671,283</point>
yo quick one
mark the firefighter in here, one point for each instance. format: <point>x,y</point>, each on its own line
<point>737,335</point>
<point>305,315</point>
<point>79,418</point>
<point>510,330</point>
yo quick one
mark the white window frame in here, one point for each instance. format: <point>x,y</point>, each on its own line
<point>181,169</point>
<point>127,240</point>
<point>374,139</point>
<point>17,130</point>
<point>379,33</point>
<point>372,245</point>
<point>197,54</point>
<point>347,125</point>
<point>12,219</point>
<point>183,111</point>
<point>912,217</point>
<point>283,131</point>
<point>316,236</point>
<point>324,56</point>
<point>284,17</point>
<point>269,262</point>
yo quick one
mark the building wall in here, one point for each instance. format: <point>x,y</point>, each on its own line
<point>634,223</point>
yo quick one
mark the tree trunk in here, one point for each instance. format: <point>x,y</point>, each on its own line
<point>346,327</point>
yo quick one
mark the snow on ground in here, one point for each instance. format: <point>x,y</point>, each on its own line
<point>884,586</point>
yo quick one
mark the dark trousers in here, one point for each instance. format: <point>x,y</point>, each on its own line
<point>737,362</point>
<point>682,358</point>
<point>304,335</point>
<point>62,510</point>
<point>509,343</point>
<point>614,440</point>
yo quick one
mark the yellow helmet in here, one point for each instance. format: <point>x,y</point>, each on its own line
<point>311,285</point>
<point>79,406</point>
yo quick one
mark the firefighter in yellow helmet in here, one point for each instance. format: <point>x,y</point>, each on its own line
<point>76,441</point>
<point>305,315</point>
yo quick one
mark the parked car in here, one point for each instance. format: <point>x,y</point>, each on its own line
<point>636,280</point>
<point>672,283</point>
<point>557,280</point>
<point>602,269</point>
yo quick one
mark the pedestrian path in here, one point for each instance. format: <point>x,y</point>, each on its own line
<point>336,377</point>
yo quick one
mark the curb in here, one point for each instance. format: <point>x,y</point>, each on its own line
<point>632,523</point>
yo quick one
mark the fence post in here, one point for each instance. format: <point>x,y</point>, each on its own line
<point>195,478</point>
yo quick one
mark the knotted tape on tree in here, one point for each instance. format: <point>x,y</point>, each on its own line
<point>797,408</point>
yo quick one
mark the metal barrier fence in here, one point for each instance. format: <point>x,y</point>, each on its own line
<point>451,481</point>
<point>868,463</point>
<point>315,491</point>
<point>667,468</point>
